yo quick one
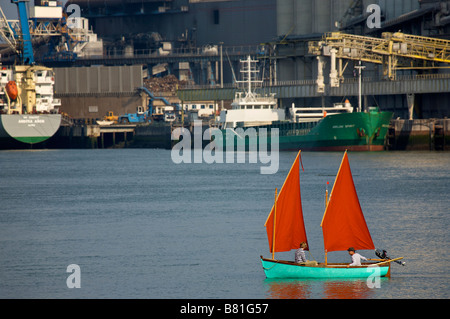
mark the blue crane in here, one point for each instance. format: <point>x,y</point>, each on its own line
<point>27,48</point>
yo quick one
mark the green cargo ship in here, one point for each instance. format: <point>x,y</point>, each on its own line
<point>254,118</point>
<point>362,131</point>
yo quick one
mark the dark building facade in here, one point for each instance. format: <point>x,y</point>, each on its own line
<point>183,22</point>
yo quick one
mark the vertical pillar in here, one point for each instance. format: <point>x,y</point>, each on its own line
<point>410,100</point>
<point>334,80</point>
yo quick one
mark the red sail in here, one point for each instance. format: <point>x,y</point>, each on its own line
<point>343,223</point>
<point>289,225</point>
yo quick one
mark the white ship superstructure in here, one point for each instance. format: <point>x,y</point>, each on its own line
<point>35,86</point>
<point>248,107</point>
<point>33,115</point>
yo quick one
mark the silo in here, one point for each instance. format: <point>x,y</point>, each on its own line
<point>304,17</point>
<point>322,16</point>
<point>285,16</point>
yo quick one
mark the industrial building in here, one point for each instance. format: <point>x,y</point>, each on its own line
<point>202,41</point>
<point>186,37</point>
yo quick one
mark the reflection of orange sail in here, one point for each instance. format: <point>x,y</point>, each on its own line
<point>289,289</point>
<point>347,289</point>
<point>289,225</point>
<point>343,223</point>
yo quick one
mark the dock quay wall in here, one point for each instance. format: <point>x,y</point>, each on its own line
<point>427,134</point>
<point>157,135</point>
<point>152,136</point>
<point>404,135</point>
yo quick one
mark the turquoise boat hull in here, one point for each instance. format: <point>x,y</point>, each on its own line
<point>276,269</point>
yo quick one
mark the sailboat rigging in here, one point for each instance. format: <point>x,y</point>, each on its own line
<point>343,226</point>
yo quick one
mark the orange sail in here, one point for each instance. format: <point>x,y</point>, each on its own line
<point>287,211</point>
<point>343,223</point>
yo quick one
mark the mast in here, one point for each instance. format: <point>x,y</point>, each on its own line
<point>249,75</point>
<point>326,204</point>
<point>274,223</point>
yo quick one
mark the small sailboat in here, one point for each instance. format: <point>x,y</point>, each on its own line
<point>343,226</point>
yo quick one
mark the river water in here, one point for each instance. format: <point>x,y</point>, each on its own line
<point>140,226</point>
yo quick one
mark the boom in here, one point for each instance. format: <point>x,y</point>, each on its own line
<point>27,48</point>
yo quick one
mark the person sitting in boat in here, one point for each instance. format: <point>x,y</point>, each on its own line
<point>300,256</point>
<point>356,258</point>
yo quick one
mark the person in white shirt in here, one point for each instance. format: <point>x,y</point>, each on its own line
<point>356,258</point>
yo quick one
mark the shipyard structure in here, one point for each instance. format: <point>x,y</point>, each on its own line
<point>181,59</point>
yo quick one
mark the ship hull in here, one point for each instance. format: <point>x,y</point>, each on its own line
<point>29,128</point>
<point>275,269</point>
<point>340,132</point>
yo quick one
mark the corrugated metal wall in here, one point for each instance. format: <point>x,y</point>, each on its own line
<point>98,79</point>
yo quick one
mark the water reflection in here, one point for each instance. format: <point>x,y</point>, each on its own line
<point>288,289</point>
<point>319,288</point>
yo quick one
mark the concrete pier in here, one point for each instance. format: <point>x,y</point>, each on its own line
<point>429,134</point>
<point>92,136</point>
<point>404,135</point>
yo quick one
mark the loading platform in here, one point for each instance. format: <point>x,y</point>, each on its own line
<point>419,84</point>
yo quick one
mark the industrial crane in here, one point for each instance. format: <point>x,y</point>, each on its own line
<point>394,51</point>
<point>26,47</point>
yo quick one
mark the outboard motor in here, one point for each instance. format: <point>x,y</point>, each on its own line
<point>382,254</point>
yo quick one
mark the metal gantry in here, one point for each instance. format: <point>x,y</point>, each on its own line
<point>394,51</point>
<point>7,32</point>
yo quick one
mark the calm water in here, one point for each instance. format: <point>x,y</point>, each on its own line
<point>140,226</point>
